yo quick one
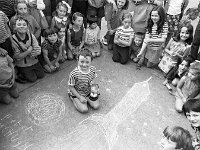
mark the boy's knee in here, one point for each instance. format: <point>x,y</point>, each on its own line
<point>83,109</point>
<point>6,99</point>
<point>179,110</point>
<point>115,59</point>
<point>32,79</point>
<point>96,106</point>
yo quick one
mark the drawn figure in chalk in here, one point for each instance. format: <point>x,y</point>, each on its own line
<point>80,81</point>
<point>175,138</point>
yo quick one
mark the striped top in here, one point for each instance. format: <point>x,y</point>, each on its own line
<point>7,6</point>
<point>3,32</point>
<point>124,34</point>
<point>155,35</point>
<point>82,81</point>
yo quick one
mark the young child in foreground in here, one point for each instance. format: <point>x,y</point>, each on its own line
<point>176,138</point>
<point>8,87</point>
<point>80,82</point>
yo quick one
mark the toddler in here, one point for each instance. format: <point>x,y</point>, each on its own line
<point>80,81</point>
<point>176,138</point>
<point>62,17</point>
<point>188,84</point>
<point>22,10</point>
<point>92,39</point>
<point>8,87</point>
<point>75,36</point>
<point>51,50</point>
<point>26,50</point>
<point>123,39</point>
<point>136,47</point>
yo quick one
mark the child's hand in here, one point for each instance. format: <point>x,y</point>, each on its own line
<point>184,99</point>
<point>111,32</point>
<point>3,52</point>
<point>52,68</point>
<point>83,99</point>
<point>57,65</point>
<point>30,49</point>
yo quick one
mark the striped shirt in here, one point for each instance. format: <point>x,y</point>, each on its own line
<point>82,81</point>
<point>7,6</point>
<point>155,35</point>
<point>3,32</point>
<point>125,34</point>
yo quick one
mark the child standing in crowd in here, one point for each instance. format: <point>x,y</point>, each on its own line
<point>51,50</point>
<point>33,26</point>
<point>26,50</point>
<point>75,36</point>
<point>136,47</point>
<point>123,39</point>
<point>177,48</point>
<point>192,112</point>
<point>62,17</point>
<point>155,36</point>
<point>176,138</point>
<point>80,81</point>
<point>6,37</point>
<point>92,36</point>
<point>114,19</point>
<point>62,38</point>
<point>174,10</point>
<point>176,73</point>
<point>8,87</point>
<point>187,85</point>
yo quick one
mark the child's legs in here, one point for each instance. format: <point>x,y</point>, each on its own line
<point>100,15</point>
<point>70,55</point>
<point>13,91</point>
<point>7,45</point>
<point>116,55</point>
<point>5,97</point>
<point>179,104</point>
<point>175,81</point>
<point>28,73</point>
<point>124,54</point>
<point>38,70</point>
<point>81,107</point>
<point>94,104</point>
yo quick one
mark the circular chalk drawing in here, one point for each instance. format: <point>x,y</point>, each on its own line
<point>45,108</point>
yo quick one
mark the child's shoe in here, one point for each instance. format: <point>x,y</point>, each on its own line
<point>7,99</point>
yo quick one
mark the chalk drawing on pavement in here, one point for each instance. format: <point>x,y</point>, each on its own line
<point>98,124</point>
<point>45,108</point>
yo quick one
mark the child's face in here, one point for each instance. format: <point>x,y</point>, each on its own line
<point>138,41</point>
<point>126,22</point>
<point>22,9</point>
<point>61,12</point>
<point>78,21</point>
<point>61,33</point>
<point>137,2</point>
<point>194,118</point>
<point>167,144</point>
<point>120,3</point>
<point>183,66</point>
<point>93,25</point>
<point>21,26</point>
<point>184,35</point>
<point>193,75</point>
<point>52,38</point>
<point>84,63</point>
<point>155,17</point>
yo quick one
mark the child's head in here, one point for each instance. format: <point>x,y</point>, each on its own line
<point>137,2</point>
<point>126,20</point>
<point>138,39</point>
<point>157,16</point>
<point>21,25</point>
<point>77,19</point>
<point>176,137</point>
<point>84,59</point>
<point>51,35</point>
<point>61,31</point>
<point>21,8</point>
<point>184,65</point>
<point>62,9</point>
<point>194,71</point>
<point>192,111</point>
<point>192,13</point>
<point>122,4</point>
<point>92,21</point>
<point>185,33</point>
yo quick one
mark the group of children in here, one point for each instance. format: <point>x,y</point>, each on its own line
<point>157,36</point>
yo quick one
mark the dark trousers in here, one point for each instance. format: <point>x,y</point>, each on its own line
<point>7,45</point>
<point>32,73</point>
<point>120,54</point>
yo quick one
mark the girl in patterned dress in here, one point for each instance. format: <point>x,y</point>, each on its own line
<point>155,37</point>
